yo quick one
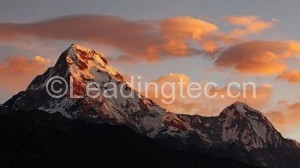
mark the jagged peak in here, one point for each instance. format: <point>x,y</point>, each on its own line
<point>78,47</point>
<point>86,59</point>
<point>240,108</point>
<point>249,126</point>
<point>243,110</point>
<point>79,52</point>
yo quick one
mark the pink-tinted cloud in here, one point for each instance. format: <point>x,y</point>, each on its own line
<point>17,72</point>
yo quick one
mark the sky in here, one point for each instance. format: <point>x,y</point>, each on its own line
<point>164,40</point>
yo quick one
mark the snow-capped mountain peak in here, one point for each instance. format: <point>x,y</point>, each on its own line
<point>248,126</point>
<point>82,59</point>
<point>240,110</point>
<point>81,67</point>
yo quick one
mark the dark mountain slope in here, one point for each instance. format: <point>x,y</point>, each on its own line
<point>39,139</point>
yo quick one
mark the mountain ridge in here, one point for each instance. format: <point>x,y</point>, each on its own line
<point>239,128</point>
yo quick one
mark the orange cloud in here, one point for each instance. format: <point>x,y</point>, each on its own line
<point>248,24</point>
<point>263,95</point>
<point>155,40</point>
<point>179,105</point>
<point>287,117</point>
<point>258,57</point>
<point>17,72</point>
<point>291,76</point>
<point>203,105</point>
<point>186,28</point>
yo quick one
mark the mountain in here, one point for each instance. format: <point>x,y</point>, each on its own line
<point>84,66</point>
<point>240,132</point>
<point>244,133</point>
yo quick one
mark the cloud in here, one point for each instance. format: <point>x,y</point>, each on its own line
<point>258,57</point>
<point>248,24</point>
<point>179,105</point>
<point>17,72</point>
<point>285,116</point>
<point>255,98</point>
<point>292,76</point>
<point>204,105</point>
<point>140,39</point>
<point>187,28</point>
<point>155,40</point>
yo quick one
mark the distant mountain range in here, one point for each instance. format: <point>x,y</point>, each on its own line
<point>239,133</point>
